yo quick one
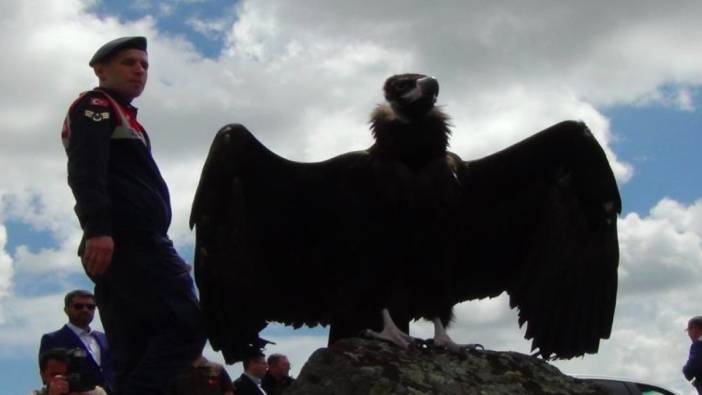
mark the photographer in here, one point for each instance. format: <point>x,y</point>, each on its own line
<point>96,366</point>
<point>57,377</point>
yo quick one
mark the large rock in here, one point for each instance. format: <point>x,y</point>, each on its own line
<point>370,367</point>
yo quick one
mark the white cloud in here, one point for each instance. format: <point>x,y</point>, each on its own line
<point>211,28</point>
<point>60,261</point>
<point>142,5</point>
<point>662,252</point>
<point>26,319</point>
<point>682,218</point>
<point>608,51</point>
<point>6,270</point>
<point>166,10</point>
<point>304,76</point>
<point>683,100</point>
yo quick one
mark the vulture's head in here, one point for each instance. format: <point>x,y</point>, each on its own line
<point>411,96</point>
<point>409,127</point>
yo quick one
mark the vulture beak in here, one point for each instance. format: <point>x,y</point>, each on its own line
<point>426,87</point>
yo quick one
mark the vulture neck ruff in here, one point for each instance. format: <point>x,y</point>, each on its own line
<point>414,141</point>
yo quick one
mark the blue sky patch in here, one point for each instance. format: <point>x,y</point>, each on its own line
<point>19,233</point>
<point>204,23</point>
<point>657,165</point>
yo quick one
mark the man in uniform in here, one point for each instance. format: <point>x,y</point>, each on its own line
<point>142,287</point>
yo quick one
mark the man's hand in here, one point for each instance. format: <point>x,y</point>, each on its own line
<point>98,254</point>
<point>58,385</point>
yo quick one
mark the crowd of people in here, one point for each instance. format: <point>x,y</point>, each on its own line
<point>77,360</point>
<point>143,289</point>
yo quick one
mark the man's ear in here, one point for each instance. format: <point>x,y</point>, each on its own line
<point>99,70</point>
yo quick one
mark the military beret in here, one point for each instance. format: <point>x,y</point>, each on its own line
<point>113,46</point>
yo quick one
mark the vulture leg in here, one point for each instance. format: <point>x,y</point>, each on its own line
<point>442,339</point>
<point>390,332</point>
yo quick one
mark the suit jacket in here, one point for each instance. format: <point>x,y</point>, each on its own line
<point>66,338</point>
<point>273,386</point>
<point>693,367</point>
<point>245,386</point>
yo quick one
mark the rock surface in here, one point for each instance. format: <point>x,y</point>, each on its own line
<point>371,367</point>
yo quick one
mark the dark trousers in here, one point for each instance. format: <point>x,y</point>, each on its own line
<point>150,314</point>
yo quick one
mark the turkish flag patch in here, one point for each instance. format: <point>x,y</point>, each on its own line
<point>96,101</point>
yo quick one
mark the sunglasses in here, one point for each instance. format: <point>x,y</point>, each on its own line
<point>79,306</point>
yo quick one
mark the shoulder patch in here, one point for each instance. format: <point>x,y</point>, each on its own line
<point>98,101</point>
<point>97,116</point>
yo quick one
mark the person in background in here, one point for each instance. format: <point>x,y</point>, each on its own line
<point>203,378</point>
<point>693,368</point>
<point>53,367</point>
<point>277,377</point>
<point>249,383</point>
<point>96,367</point>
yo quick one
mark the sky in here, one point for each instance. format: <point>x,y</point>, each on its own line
<point>304,76</point>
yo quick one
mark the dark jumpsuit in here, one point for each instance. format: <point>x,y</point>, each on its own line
<point>146,297</point>
<point>693,366</point>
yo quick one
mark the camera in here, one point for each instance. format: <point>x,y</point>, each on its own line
<point>78,380</point>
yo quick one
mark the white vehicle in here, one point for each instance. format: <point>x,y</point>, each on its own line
<point>619,386</point>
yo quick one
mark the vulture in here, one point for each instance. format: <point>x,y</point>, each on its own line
<point>404,230</point>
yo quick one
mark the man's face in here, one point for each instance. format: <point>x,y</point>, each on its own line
<point>258,367</point>
<point>280,369</point>
<point>80,311</point>
<point>694,332</point>
<point>126,72</point>
<point>54,368</point>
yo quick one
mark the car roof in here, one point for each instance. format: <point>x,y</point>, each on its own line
<point>620,379</point>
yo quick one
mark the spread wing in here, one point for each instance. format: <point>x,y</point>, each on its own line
<point>540,222</point>
<point>268,232</point>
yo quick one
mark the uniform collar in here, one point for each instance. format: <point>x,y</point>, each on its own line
<point>118,98</point>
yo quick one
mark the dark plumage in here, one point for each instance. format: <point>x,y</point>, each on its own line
<point>408,227</point>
